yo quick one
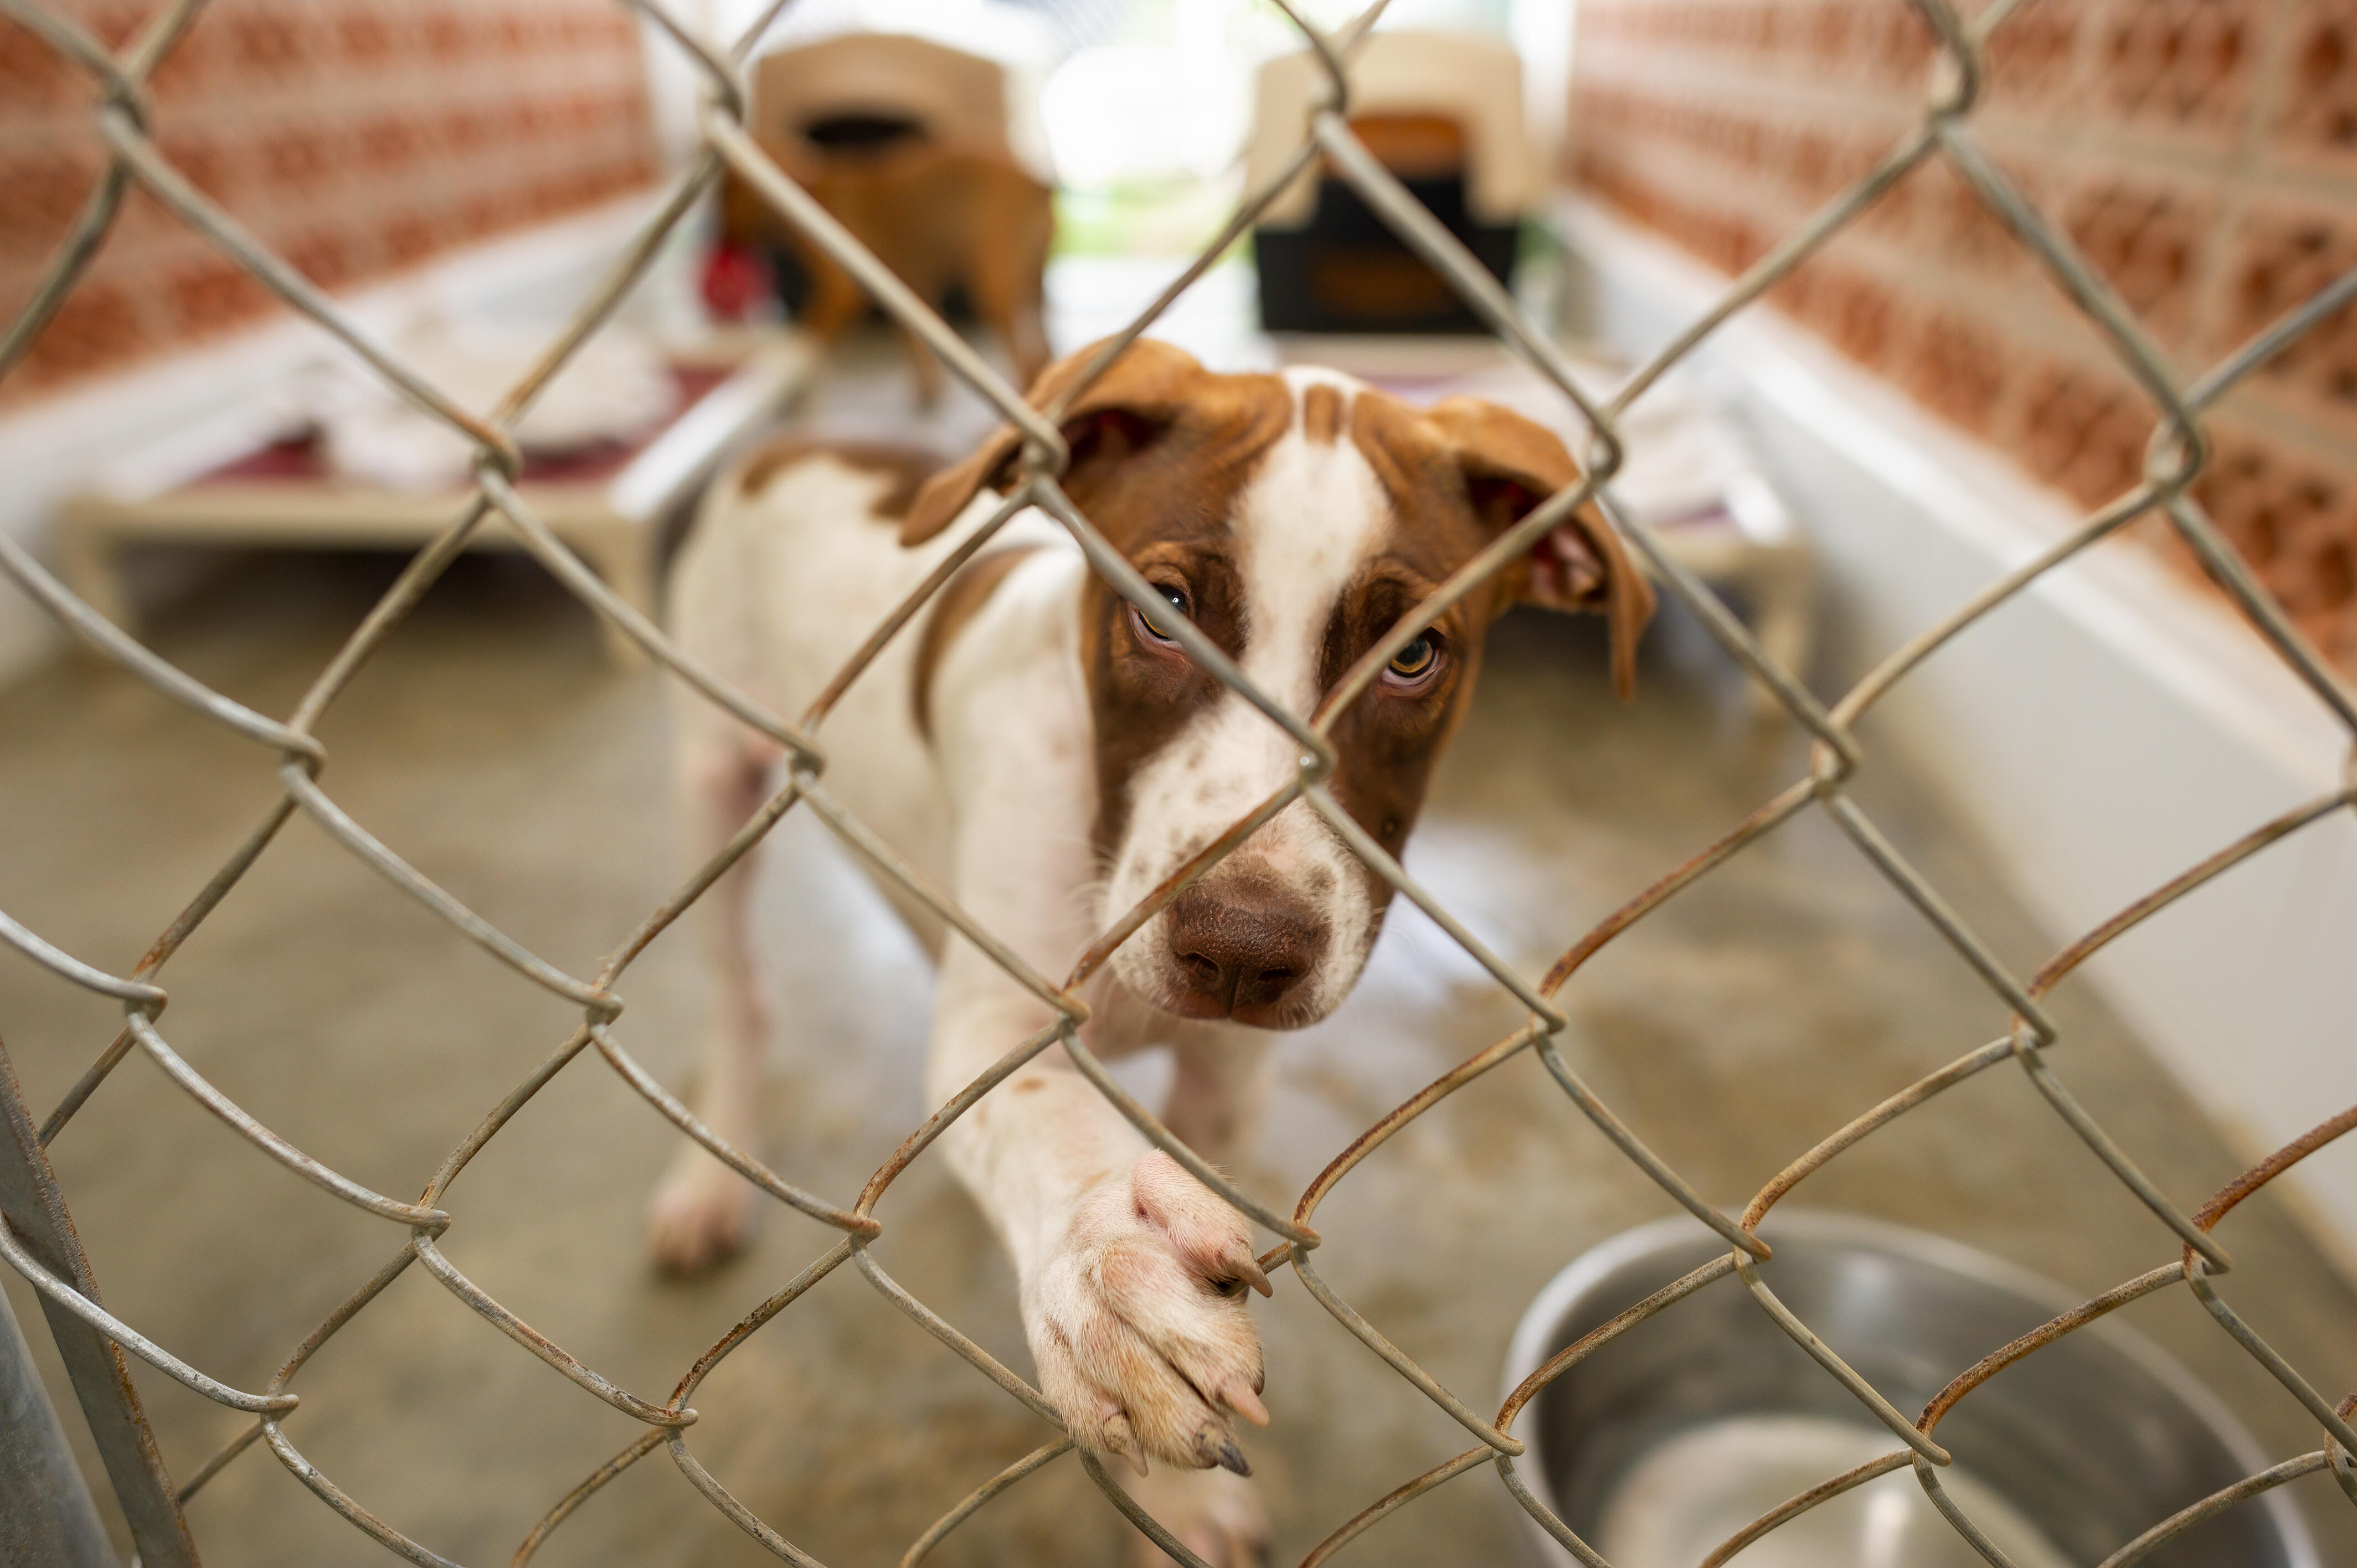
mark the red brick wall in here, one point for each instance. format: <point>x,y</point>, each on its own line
<point>2202,153</point>
<point>357,137</point>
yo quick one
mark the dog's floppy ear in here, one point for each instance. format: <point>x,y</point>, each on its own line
<point>1135,399</point>
<point>1511,464</point>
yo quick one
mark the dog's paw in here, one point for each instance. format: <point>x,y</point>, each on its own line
<point>698,1220</point>
<point>1138,1325</point>
<point>1216,1516</point>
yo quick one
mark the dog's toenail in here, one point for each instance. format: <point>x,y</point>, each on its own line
<point>1216,1447</point>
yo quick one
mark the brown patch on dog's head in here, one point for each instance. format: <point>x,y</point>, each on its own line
<point>1149,394</point>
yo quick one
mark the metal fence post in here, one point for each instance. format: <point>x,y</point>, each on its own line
<point>35,1213</point>
<point>46,1512</point>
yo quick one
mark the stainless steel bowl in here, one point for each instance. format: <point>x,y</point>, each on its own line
<point>1672,1437</point>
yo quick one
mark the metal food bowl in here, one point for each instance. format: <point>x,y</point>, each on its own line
<point>1666,1441</point>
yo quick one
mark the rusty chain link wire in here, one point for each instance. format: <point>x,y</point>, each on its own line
<point>2176,454</point>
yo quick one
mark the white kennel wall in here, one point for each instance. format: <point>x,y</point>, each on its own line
<point>2046,728</point>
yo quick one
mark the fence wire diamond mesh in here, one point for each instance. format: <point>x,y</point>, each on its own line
<point>40,1245</point>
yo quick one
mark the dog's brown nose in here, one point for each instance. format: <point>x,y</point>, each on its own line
<point>1243,950</point>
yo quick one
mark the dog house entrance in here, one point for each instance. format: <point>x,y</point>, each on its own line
<point>1346,272</point>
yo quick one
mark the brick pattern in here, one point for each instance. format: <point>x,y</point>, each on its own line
<point>2202,153</point>
<point>357,137</point>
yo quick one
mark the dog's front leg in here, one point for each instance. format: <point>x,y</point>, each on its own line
<point>1132,1273</point>
<point>1216,1094</point>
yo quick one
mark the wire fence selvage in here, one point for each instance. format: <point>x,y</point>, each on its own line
<point>2178,455</point>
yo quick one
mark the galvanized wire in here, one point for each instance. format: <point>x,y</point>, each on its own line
<point>122,117</point>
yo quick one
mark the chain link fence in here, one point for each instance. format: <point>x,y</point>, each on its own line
<point>38,1241</point>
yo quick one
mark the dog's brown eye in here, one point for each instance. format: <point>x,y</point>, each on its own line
<point>1411,665</point>
<point>1144,629</point>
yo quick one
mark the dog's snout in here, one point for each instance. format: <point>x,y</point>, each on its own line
<point>1243,951</point>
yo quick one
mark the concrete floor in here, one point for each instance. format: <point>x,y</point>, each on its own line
<point>490,745</point>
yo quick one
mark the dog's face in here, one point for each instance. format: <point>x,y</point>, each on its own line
<point>1295,520</point>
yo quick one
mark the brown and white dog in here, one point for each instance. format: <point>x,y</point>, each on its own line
<point>1040,751</point>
